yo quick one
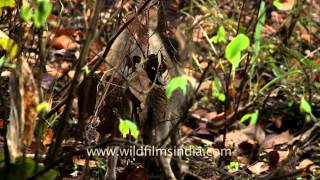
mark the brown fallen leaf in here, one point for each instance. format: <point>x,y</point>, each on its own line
<point>273,140</point>
<point>259,168</point>
<point>64,31</point>
<point>203,130</point>
<point>205,85</point>
<point>47,137</point>
<point>305,163</point>
<point>64,42</point>
<point>233,138</point>
<point>185,129</point>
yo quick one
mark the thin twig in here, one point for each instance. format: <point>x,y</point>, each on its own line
<point>55,147</point>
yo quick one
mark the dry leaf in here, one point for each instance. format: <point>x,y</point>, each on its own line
<point>64,42</point>
<point>272,140</point>
<point>259,167</point>
<point>23,114</point>
<point>233,138</point>
<point>305,163</point>
<point>185,129</point>
<point>47,137</point>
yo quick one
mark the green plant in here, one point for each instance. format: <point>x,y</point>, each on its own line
<point>252,116</point>
<point>43,107</point>
<point>306,109</point>
<point>41,13</point>
<point>220,37</point>
<point>233,166</point>
<point>127,126</point>
<point>180,82</point>
<point>233,51</point>
<point>217,90</point>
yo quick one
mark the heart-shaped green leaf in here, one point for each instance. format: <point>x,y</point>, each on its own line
<point>127,126</point>
<point>43,10</point>
<point>175,83</point>
<point>234,49</point>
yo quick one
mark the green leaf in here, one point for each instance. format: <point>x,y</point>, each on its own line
<point>245,117</point>
<point>221,97</point>
<point>175,83</point>
<point>43,10</point>
<point>9,46</point>
<point>254,117</point>
<point>277,70</point>
<point>123,128</point>
<point>43,107</point>
<point>127,126</point>
<point>3,61</point>
<point>86,69</point>
<point>234,48</point>
<point>7,3</point>
<point>217,90</point>
<point>133,128</point>
<point>26,12</point>
<point>305,107</point>
<point>220,37</point>
<point>283,6</point>
<point>233,166</point>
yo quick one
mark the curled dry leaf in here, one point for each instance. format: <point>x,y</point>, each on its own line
<point>273,158</point>
<point>23,114</point>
